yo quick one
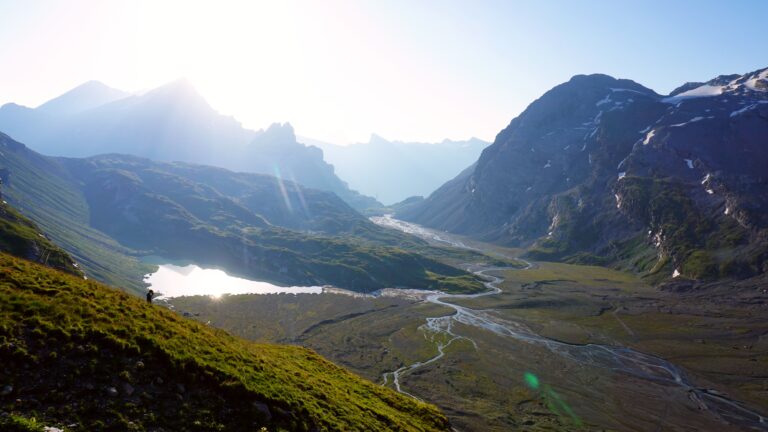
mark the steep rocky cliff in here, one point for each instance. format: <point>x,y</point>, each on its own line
<point>605,170</point>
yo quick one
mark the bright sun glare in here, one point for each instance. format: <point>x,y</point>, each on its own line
<point>250,58</point>
<point>219,46</point>
<point>338,71</point>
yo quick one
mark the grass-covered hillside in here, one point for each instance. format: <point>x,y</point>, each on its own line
<point>43,190</point>
<point>84,357</point>
<point>20,236</point>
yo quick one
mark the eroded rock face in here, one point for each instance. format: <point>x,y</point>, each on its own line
<point>598,162</point>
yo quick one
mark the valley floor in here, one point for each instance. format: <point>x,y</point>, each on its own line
<point>560,347</point>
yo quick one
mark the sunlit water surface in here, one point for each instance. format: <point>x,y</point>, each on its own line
<point>190,280</point>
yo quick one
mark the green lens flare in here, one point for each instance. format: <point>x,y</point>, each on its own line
<point>554,401</point>
<point>532,380</point>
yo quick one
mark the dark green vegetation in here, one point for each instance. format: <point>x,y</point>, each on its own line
<point>77,352</point>
<point>108,210</point>
<point>681,236</point>
<point>16,423</point>
<point>699,246</point>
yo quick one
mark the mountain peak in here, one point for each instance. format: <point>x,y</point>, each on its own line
<point>179,92</point>
<point>599,80</point>
<point>601,155</point>
<point>83,97</point>
<point>181,83</point>
<point>180,86</point>
<point>281,129</point>
<point>377,139</point>
<point>592,78</point>
<point>756,81</point>
<point>277,133</point>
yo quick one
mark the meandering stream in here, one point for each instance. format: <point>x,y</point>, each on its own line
<point>614,358</point>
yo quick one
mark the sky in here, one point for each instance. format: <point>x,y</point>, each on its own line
<point>338,71</point>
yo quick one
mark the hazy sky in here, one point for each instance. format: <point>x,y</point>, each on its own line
<point>340,70</point>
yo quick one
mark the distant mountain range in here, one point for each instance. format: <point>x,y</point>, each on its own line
<point>392,171</point>
<point>604,170</point>
<point>169,123</point>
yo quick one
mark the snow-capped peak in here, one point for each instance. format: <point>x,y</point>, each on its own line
<point>753,81</point>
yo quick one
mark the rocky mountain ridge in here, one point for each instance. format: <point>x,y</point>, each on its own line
<point>607,171</point>
<point>170,123</point>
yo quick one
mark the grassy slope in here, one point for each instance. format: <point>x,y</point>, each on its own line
<point>42,190</point>
<point>80,337</point>
<point>20,236</point>
<point>17,423</point>
<point>699,245</point>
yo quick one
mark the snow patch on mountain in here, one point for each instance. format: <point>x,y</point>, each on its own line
<point>648,136</point>
<point>705,90</point>
<point>756,81</point>
<point>752,83</point>
<point>604,100</point>
<point>747,108</point>
<point>627,90</point>
<point>693,120</point>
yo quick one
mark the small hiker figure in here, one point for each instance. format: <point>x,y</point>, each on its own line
<point>150,294</point>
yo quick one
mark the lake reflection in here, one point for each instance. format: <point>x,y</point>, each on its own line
<point>190,280</point>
